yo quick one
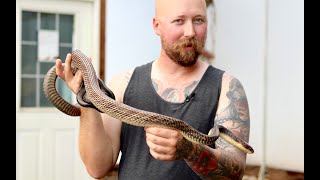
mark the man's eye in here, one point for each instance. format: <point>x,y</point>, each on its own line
<point>178,21</point>
<point>199,20</point>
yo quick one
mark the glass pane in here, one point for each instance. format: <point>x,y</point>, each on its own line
<point>29,26</point>
<point>28,92</point>
<point>44,102</point>
<point>66,28</point>
<point>29,59</point>
<point>63,51</point>
<point>46,66</point>
<point>64,90</point>
<point>48,21</point>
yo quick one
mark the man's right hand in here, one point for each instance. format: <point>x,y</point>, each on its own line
<point>72,81</point>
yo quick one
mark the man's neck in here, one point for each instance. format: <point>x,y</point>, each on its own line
<point>175,80</point>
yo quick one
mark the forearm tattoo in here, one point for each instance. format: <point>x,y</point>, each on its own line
<point>184,149</point>
<point>203,161</point>
<point>207,165</point>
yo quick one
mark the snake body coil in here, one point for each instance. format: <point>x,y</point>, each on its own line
<point>128,114</point>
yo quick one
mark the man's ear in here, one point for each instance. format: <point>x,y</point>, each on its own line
<point>156,25</point>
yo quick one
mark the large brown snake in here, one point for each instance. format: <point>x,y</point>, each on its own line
<point>128,114</point>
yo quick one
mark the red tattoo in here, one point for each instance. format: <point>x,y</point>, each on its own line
<point>204,164</point>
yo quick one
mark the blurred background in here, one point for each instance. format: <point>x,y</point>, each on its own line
<point>261,42</point>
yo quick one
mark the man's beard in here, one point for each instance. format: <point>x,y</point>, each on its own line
<point>180,55</point>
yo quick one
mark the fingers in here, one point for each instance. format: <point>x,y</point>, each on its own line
<point>160,148</point>
<point>78,77</point>
<point>162,143</point>
<point>59,69</point>
<point>67,69</point>
<point>164,132</point>
<point>162,157</point>
<point>65,73</point>
<point>159,152</point>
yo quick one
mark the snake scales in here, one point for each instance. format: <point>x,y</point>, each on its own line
<point>125,113</point>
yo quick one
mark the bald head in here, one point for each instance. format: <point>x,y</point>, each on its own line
<point>167,8</point>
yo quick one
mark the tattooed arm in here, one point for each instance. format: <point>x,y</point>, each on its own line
<point>226,161</point>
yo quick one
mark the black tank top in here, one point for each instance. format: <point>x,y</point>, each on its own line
<point>136,162</point>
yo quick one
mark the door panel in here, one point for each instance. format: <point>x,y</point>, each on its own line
<point>46,139</point>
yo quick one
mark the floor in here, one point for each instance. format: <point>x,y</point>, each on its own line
<point>251,173</point>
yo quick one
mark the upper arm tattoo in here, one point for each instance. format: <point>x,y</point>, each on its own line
<point>235,115</point>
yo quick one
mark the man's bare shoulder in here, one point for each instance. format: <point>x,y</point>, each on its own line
<point>231,88</point>
<point>227,78</point>
<point>119,82</point>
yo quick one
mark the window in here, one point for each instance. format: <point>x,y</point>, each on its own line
<point>33,71</point>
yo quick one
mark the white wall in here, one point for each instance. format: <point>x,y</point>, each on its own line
<point>285,121</point>
<point>240,50</point>
<point>131,40</point>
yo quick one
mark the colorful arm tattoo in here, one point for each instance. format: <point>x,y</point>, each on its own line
<point>208,165</point>
<point>224,162</point>
<point>202,162</point>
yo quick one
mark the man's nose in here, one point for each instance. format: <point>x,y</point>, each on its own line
<point>189,29</point>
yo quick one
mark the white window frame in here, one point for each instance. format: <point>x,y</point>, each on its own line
<point>89,46</point>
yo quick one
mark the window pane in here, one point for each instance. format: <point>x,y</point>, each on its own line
<point>44,102</point>
<point>48,21</point>
<point>29,59</point>
<point>29,26</point>
<point>28,92</point>
<point>63,51</point>
<point>64,90</point>
<point>66,28</point>
<point>46,66</point>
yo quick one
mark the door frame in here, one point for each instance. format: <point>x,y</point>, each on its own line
<point>38,127</point>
